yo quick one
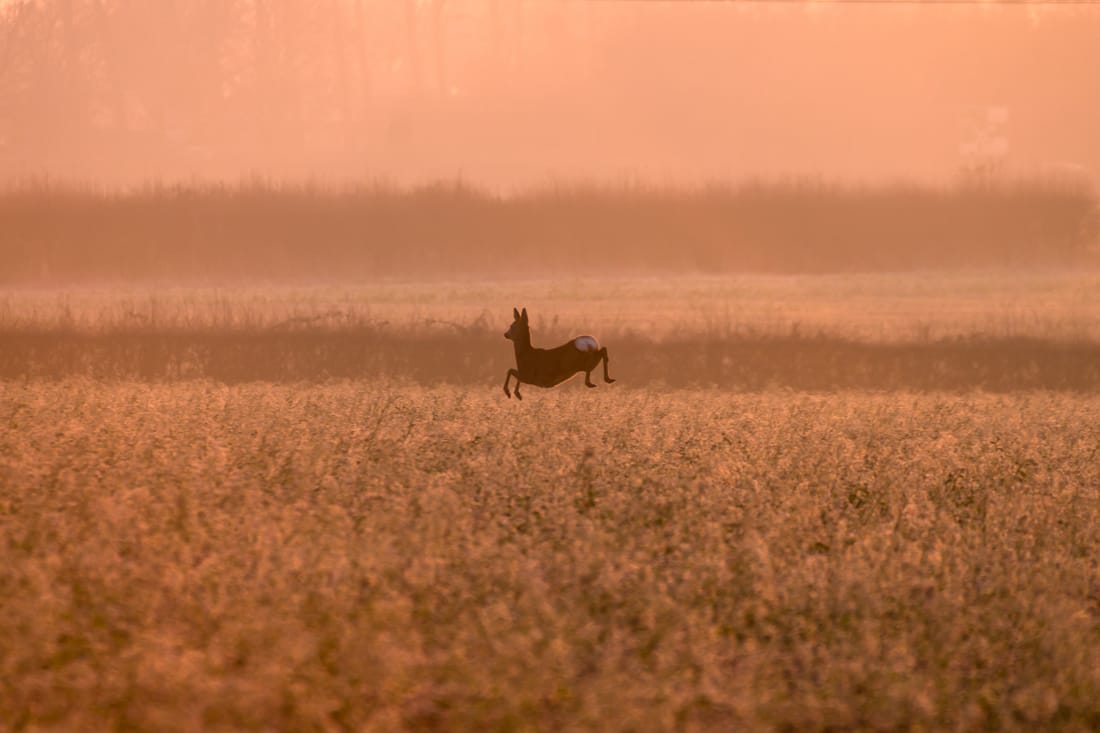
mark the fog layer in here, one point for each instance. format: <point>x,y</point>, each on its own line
<point>509,94</point>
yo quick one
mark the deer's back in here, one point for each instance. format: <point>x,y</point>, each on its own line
<point>549,367</point>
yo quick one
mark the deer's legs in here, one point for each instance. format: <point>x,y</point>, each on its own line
<point>507,377</point>
<point>603,355</point>
<point>588,379</point>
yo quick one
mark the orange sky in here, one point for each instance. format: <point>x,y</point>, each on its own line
<point>509,94</point>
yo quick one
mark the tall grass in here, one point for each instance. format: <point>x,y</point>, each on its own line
<point>446,354</point>
<point>862,334</point>
<point>51,234</point>
<point>359,556</point>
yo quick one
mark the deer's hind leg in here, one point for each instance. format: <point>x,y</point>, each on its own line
<point>603,355</point>
<point>591,361</point>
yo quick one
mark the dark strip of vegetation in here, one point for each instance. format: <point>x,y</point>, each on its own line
<point>742,362</point>
<point>261,232</point>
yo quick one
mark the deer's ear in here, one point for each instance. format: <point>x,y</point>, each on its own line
<point>525,315</point>
<point>515,313</point>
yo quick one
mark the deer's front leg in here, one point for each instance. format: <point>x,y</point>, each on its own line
<point>507,377</point>
<point>588,379</point>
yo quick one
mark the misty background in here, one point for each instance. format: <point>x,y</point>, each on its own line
<point>506,95</point>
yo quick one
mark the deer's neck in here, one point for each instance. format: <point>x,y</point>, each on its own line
<point>522,346</point>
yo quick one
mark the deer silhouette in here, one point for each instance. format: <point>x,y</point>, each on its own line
<point>551,367</point>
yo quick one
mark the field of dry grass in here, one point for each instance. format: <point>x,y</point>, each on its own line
<point>846,502</point>
<point>993,331</point>
<point>377,555</point>
<point>1039,303</point>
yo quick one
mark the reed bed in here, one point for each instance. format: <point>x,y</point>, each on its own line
<point>261,232</point>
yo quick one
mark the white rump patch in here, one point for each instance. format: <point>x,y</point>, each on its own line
<point>586,343</point>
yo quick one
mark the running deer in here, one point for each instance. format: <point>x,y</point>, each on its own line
<point>551,367</point>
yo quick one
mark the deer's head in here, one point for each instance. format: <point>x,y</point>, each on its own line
<point>519,331</point>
